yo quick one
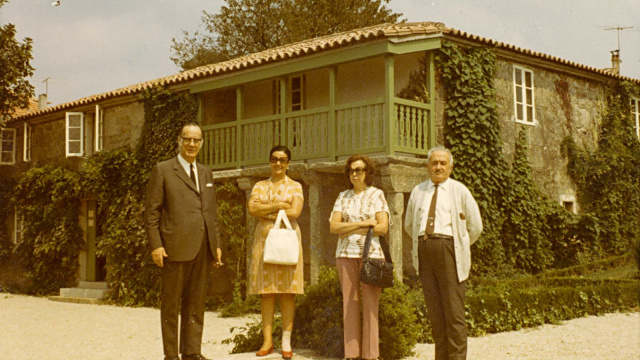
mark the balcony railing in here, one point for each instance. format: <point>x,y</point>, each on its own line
<point>361,127</point>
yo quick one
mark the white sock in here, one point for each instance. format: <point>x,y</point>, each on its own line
<point>286,340</point>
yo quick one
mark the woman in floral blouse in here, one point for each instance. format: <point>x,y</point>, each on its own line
<point>356,210</point>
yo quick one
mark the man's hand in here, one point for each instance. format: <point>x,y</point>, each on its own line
<point>218,262</point>
<point>158,256</point>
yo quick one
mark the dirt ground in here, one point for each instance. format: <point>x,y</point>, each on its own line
<point>37,328</point>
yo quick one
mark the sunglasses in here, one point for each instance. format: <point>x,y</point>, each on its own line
<point>357,171</point>
<point>282,160</point>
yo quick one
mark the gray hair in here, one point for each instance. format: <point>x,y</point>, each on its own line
<point>440,148</point>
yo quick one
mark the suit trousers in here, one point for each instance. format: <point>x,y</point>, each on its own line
<point>444,297</point>
<point>184,290</point>
<point>361,339</point>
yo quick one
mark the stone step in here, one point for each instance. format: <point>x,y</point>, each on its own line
<point>79,292</point>
<point>75,300</point>
<point>93,285</point>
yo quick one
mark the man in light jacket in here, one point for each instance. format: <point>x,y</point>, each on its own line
<point>443,227</point>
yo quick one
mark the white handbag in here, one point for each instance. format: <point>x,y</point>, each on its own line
<point>281,246</point>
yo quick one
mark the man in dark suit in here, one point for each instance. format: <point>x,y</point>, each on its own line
<point>181,223</point>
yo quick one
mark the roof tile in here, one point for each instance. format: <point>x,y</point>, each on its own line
<point>311,46</point>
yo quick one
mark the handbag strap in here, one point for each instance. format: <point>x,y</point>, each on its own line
<point>383,245</point>
<point>282,217</point>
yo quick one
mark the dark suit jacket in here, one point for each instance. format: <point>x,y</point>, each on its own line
<point>176,214</point>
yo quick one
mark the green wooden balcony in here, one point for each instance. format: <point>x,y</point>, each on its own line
<point>370,126</point>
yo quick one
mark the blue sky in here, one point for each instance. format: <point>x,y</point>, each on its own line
<point>88,47</point>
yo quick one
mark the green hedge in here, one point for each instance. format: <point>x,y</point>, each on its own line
<point>491,306</point>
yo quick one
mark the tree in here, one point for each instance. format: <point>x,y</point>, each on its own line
<point>248,26</point>
<point>15,89</point>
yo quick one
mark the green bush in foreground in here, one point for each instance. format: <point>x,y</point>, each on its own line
<point>491,306</point>
<point>318,322</point>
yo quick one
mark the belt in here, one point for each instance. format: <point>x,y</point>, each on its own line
<point>435,237</point>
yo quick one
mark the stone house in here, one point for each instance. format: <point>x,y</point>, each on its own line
<point>326,99</point>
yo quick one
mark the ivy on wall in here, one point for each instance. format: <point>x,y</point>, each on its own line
<point>117,179</point>
<point>608,177</point>
<point>6,215</point>
<point>52,237</point>
<point>472,133</point>
<point>523,230</point>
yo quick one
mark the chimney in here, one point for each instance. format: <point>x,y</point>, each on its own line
<point>615,62</point>
<point>42,101</point>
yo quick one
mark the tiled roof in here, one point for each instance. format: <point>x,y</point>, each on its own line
<point>316,45</point>
<point>33,106</point>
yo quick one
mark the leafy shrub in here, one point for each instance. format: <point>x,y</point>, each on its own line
<point>6,213</point>
<point>605,176</point>
<point>52,238</point>
<point>318,322</point>
<point>249,337</point>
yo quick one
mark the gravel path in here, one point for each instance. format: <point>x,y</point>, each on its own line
<point>37,328</point>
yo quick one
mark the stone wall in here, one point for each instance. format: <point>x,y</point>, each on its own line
<point>564,105</point>
<point>123,125</point>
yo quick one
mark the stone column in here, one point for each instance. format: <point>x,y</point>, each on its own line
<point>246,184</point>
<point>316,249</point>
<point>396,207</point>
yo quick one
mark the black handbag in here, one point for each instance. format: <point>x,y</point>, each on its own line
<point>376,272</point>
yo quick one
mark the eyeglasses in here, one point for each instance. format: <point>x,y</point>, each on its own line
<point>357,171</point>
<point>187,141</point>
<point>282,160</point>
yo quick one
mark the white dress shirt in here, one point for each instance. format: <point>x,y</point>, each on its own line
<point>187,167</point>
<point>443,224</point>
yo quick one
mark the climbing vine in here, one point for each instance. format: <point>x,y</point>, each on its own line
<point>51,238</point>
<point>6,214</point>
<point>472,132</point>
<point>608,178</point>
<point>117,179</point>
<point>523,230</point>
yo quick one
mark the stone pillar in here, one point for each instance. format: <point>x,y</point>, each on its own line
<point>396,207</point>
<point>246,184</point>
<point>316,249</point>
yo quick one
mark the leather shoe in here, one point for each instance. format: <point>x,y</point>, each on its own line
<point>168,357</point>
<point>265,352</point>
<point>287,355</point>
<point>194,357</point>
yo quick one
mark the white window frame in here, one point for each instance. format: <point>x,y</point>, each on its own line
<point>68,129</point>
<point>99,126</point>
<point>521,89</point>
<point>26,146</point>
<point>635,114</point>
<point>18,227</point>
<point>8,135</point>
<point>302,104</point>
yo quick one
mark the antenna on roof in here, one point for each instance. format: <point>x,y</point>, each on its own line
<point>46,81</point>
<point>618,29</point>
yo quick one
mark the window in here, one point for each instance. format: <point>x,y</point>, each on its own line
<point>99,128</point>
<point>568,205</point>
<point>297,96</point>
<point>26,153</point>
<point>75,134</point>
<point>523,95</point>
<point>8,148</point>
<point>635,115</point>
<point>297,85</point>
<point>18,226</point>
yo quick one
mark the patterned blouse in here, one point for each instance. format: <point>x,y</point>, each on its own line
<point>359,207</point>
